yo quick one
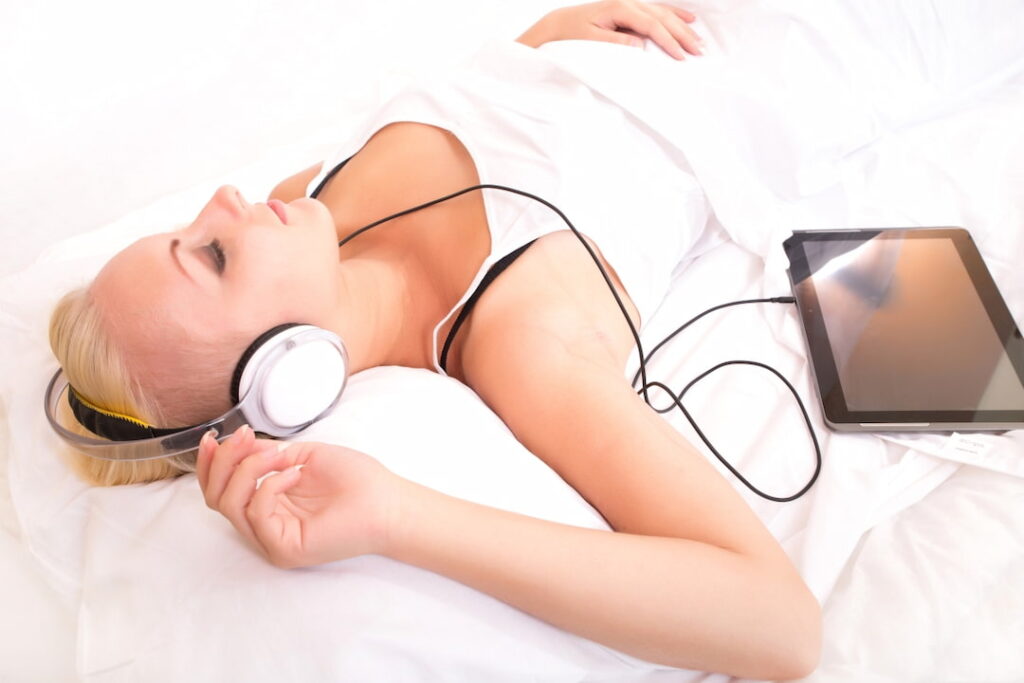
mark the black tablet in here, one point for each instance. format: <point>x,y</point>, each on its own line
<point>906,330</point>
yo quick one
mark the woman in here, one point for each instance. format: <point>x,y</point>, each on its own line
<point>544,347</point>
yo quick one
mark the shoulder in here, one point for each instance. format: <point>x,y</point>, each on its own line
<point>552,301</point>
<point>405,145</point>
<point>416,158</point>
<point>294,187</point>
<point>522,351</point>
<point>404,163</point>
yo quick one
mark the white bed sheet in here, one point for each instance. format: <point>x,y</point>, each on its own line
<point>935,593</point>
<point>37,630</point>
<point>947,619</point>
<point>121,566</point>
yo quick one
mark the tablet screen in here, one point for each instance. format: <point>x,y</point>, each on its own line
<point>896,311</point>
<point>908,327</point>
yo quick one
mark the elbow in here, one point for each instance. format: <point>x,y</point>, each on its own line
<point>801,661</point>
<point>800,651</point>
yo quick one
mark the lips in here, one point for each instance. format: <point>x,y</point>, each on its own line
<point>278,207</point>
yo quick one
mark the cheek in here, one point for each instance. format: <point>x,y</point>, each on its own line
<point>287,277</point>
<point>303,289</point>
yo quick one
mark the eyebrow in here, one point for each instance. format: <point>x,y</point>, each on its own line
<point>177,262</point>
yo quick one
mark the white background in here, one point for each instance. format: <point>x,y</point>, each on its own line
<point>109,105</point>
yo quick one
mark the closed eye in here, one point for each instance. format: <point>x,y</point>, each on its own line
<point>219,258</point>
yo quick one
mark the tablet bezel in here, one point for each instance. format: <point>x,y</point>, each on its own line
<point>836,412</point>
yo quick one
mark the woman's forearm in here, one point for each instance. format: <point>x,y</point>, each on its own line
<point>667,600</point>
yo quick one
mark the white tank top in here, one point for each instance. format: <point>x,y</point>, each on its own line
<point>532,126</point>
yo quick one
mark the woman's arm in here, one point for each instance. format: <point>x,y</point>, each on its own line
<point>625,22</point>
<point>690,579</point>
<point>693,579</point>
<point>668,600</point>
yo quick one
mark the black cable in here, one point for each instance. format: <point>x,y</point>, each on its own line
<point>677,399</point>
<point>678,402</point>
<point>642,371</point>
<point>647,359</point>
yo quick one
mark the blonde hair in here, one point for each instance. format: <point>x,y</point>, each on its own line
<point>97,370</point>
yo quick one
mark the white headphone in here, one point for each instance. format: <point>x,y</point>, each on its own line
<point>295,374</point>
<point>290,377</point>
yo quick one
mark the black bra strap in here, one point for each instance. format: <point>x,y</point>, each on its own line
<point>327,177</point>
<point>492,273</point>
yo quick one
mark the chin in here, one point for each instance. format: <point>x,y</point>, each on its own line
<point>322,215</point>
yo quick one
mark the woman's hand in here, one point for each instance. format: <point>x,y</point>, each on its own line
<point>339,504</point>
<point>625,22</point>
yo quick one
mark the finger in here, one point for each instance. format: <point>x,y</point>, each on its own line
<point>619,37</point>
<point>644,22</point>
<point>683,14</point>
<point>223,462</point>
<point>243,485</point>
<point>245,479</point>
<point>206,447</point>
<point>273,530</point>
<point>682,33</point>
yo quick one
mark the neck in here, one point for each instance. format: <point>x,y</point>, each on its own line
<point>381,314</point>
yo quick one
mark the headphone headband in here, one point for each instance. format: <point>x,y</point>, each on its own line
<point>111,425</point>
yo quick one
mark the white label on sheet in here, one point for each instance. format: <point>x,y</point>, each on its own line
<point>998,452</point>
<point>984,450</point>
<point>967,445</point>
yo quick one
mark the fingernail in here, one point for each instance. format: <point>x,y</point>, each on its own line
<point>209,436</point>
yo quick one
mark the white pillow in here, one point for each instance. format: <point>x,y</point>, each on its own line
<point>162,573</point>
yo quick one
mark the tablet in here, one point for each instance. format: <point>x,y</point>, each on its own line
<point>906,331</point>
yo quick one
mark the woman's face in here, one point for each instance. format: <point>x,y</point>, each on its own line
<point>236,271</point>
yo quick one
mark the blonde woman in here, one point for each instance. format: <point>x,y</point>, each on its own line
<point>690,578</point>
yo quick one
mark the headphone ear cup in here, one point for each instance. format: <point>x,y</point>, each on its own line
<point>289,377</point>
<point>236,377</point>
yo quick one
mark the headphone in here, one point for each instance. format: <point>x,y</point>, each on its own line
<point>287,379</point>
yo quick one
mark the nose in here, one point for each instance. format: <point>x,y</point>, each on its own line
<point>230,197</point>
